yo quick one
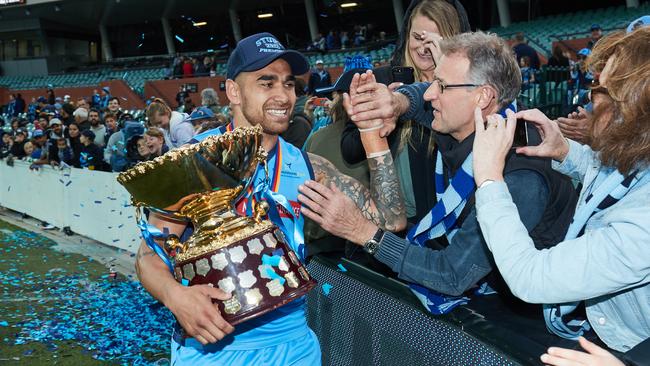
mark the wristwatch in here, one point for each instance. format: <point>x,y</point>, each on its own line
<point>372,246</point>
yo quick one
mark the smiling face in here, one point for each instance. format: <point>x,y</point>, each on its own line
<point>114,105</point>
<point>143,149</point>
<point>420,55</point>
<point>154,144</point>
<point>265,97</point>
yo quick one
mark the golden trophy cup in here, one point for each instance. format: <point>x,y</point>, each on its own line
<point>247,257</point>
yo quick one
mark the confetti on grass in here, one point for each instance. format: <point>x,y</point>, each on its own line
<point>114,320</point>
<point>327,288</point>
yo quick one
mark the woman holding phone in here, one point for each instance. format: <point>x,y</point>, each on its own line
<point>425,23</point>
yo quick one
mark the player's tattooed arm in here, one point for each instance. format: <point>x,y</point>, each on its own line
<point>382,203</point>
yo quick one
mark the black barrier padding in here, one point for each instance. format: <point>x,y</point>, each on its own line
<point>368,319</point>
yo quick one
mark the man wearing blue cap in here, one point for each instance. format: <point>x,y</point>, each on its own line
<point>596,35</point>
<point>260,88</point>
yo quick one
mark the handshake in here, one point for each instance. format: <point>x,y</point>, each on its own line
<point>374,106</point>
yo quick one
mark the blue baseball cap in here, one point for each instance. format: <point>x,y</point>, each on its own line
<point>584,52</point>
<point>37,133</point>
<point>257,51</point>
<point>41,100</point>
<point>201,113</point>
<point>353,65</point>
<point>595,26</point>
<point>644,21</point>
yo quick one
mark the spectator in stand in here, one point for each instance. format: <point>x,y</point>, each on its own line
<point>527,73</point>
<point>51,98</point>
<point>581,79</point>
<point>199,116</point>
<point>180,97</point>
<point>97,127</point>
<point>177,130</point>
<point>29,149</point>
<point>83,103</point>
<point>319,78</point>
<point>61,153</point>
<point>106,98</point>
<point>31,110</point>
<point>74,140</point>
<point>114,107</point>
<point>67,111</point>
<point>41,148</point>
<point>5,144</point>
<point>210,99</point>
<point>521,48</point>
<point>11,106</point>
<point>112,126</point>
<point>345,40</point>
<point>200,69</point>
<point>96,100</point>
<point>81,118</point>
<point>319,44</point>
<point>41,123</point>
<point>412,144</point>
<point>332,41</point>
<point>15,125</point>
<point>558,59</point>
<point>91,156</point>
<point>20,104</point>
<point>55,130</point>
<point>596,35</point>
<point>67,98</point>
<point>603,261</point>
<point>188,106</point>
<point>115,151</point>
<point>155,142</point>
<point>188,68</point>
<point>17,148</point>
<point>136,151</point>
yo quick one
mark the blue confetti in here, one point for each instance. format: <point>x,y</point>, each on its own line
<point>98,202</point>
<point>67,184</point>
<point>341,268</point>
<point>179,39</point>
<point>271,261</point>
<point>75,215</point>
<point>327,288</point>
<point>110,319</point>
<point>274,276</point>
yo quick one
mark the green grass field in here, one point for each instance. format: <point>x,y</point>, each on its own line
<point>42,287</point>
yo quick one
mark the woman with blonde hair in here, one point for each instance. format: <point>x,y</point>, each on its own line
<point>425,23</point>
<point>604,260</point>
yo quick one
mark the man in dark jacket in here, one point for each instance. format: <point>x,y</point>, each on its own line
<point>467,82</point>
<point>522,49</point>
<point>319,78</point>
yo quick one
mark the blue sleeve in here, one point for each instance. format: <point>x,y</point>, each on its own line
<point>467,259</point>
<point>419,110</point>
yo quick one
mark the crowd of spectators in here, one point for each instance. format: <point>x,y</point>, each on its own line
<point>94,133</point>
<point>357,36</point>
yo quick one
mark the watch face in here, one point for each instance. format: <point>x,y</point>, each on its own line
<point>371,246</point>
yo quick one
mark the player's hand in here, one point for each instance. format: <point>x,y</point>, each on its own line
<point>194,310</point>
<point>576,126</point>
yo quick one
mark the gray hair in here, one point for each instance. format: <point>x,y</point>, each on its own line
<point>209,97</point>
<point>491,62</point>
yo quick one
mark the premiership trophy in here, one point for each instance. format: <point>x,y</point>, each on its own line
<point>247,257</point>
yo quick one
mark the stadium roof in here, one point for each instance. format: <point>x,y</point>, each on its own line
<point>89,13</point>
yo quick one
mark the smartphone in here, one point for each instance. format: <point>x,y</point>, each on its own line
<point>521,134</point>
<point>320,102</point>
<point>403,74</point>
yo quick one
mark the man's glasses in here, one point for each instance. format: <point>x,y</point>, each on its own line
<point>442,85</point>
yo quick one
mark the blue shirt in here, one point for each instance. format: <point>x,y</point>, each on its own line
<point>608,266</point>
<point>289,321</point>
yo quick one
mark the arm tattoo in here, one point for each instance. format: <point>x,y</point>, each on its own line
<point>143,252</point>
<point>382,204</point>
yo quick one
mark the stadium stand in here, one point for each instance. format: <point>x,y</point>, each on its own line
<point>543,31</point>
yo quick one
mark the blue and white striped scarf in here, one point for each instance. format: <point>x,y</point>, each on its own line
<point>441,220</point>
<point>613,186</point>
